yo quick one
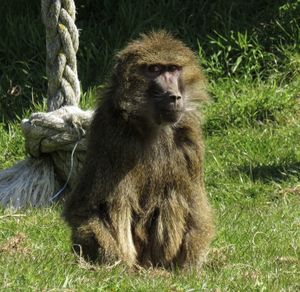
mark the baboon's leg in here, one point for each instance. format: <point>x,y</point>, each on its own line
<point>107,240</point>
<point>95,242</point>
<point>193,251</point>
<point>195,244</point>
<point>121,217</point>
<point>165,232</point>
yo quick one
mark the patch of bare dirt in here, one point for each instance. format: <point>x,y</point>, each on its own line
<point>15,244</point>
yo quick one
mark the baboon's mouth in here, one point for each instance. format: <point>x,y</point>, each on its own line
<point>171,116</point>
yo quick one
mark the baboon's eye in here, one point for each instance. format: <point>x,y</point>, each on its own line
<point>155,68</point>
<point>173,68</point>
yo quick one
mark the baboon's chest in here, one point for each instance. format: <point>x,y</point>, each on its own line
<point>162,167</point>
<point>161,175</point>
<point>165,175</point>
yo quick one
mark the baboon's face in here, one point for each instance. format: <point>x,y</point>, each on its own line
<point>156,80</point>
<point>164,92</point>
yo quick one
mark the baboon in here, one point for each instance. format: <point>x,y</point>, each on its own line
<point>140,198</point>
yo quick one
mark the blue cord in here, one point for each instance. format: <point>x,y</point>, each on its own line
<point>69,175</point>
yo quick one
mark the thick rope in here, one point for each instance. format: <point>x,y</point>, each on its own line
<point>62,43</point>
<point>56,131</point>
<point>50,137</point>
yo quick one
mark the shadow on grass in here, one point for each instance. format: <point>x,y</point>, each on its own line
<point>22,46</point>
<point>267,173</point>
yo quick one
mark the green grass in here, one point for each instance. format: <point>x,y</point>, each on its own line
<point>250,53</point>
<point>12,144</point>
<point>252,169</point>
<point>256,248</point>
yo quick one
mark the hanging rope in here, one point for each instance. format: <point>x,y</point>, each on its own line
<point>51,138</point>
<point>62,44</point>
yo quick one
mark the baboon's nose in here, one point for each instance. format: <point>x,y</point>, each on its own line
<point>175,101</point>
<point>175,98</point>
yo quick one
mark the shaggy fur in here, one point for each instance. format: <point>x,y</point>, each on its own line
<point>140,197</point>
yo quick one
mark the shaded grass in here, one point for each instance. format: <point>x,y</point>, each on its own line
<point>233,38</point>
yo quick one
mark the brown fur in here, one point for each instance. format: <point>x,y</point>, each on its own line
<point>140,197</point>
